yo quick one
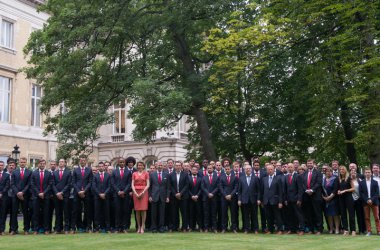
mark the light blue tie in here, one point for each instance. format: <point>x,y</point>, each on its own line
<point>270,180</point>
<point>248,180</point>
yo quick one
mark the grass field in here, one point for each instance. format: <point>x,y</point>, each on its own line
<point>187,241</point>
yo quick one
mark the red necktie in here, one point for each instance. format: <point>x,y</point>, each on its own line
<point>121,173</point>
<point>194,181</point>
<point>22,174</point>
<point>228,179</point>
<point>237,174</point>
<point>82,171</point>
<point>218,174</point>
<point>204,173</point>
<point>257,174</point>
<point>41,181</point>
<point>159,178</point>
<point>101,177</point>
<point>210,178</point>
<point>290,179</point>
<point>60,174</point>
<point>309,180</point>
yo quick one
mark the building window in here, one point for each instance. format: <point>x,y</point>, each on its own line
<point>119,113</point>
<point>5,96</point>
<point>7,34</point>
<point>36,102</point>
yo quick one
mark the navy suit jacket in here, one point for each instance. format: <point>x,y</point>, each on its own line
<point>315,184</point>
<point>63,185</point>
<point>249,194</point>
<point>293,191</point>
<point>46,184</point>
<point>99,187</point>
<point>121,184</point>
<point>21,185</point>
<point>226,188</point>
<point>195,190</point>
<point>363,191</point>
<point>4,183</point>
<point>208,188</point>
<point>82,183</point>
<point>272,195</point>
<point>182,187</point>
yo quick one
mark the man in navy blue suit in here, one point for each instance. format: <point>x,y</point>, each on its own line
<point>195,201</point>
<point>272,197</point>
<point>4,187</point>
<point>179,196</point>
<point>228,186</point>
<point>209,186</point>
<point>20,186</point>
<point>61,190</point>
<point>82,179</point>
<point>41,182</point>
<point>121,186</point>
<point>101,186</point>
<point>249,198</point>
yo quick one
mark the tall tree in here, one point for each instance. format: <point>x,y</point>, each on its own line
<point>92,54</point>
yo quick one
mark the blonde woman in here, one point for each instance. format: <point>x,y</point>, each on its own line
<point>346,202</point>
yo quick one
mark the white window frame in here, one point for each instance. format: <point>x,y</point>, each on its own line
<point>3,93</point>
<point>120,109</point>
<point>37,104</point>
<point>3,41</point>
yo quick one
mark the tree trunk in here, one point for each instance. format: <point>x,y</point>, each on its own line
<point>204,131</point>
<point>348,132</point>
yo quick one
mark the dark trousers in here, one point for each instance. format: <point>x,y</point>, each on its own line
<point>102,214</point>
<point>168,216</point>
<point>62,214</point>
<point>41,213</point>
<point>177,207</point>
<point>6,207</point>
<point>358,207</point>
<point>294,216</point>
<point>232,206</point>
<point>195,214</point>
<point>82,205</point>
<point>263,219</point>
<point>219,218</point>
<point>121,215</point>
<point>346,204</point>
<point>250,220</point>
<point>273,214</point>
<point>26,212</point>
<point>51,212</point>
<point>209,213</point>
<point>112,212</point>
<point>158,215</point>
<point>313,213</point>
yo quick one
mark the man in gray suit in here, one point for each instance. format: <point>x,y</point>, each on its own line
<point>159,192</point>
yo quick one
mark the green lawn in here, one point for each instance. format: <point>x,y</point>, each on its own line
<point>187,241</point>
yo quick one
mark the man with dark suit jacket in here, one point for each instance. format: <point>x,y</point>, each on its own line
<point>4,187</point>
<point>61,187</point>
<point>369,194</point>
<point>312,197</point>
<point>159,193</point>
<point>195,201</point>
<point>272,196</point>
<point>121,185</point>
<point>21,188</point>
<point>101,186</point>
<point>228,187</point>
<point>260,173</point>
<point>210,184</point>
<point>179,196</point>
<point>82,179</point>
<point>41,182</point>
<point>293,200</point>
<point>130,162</point>
<point>249,197</point>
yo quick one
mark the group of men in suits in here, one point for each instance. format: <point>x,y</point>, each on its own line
<point>182,196</point>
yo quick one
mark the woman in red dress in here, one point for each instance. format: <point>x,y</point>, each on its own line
<point>140,185</point>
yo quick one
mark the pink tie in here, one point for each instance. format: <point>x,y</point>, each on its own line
<point>82,171</point>
<point>228,179</point>
<point>41,181</point>
<point>121,173</point>
<point>101,177</point>
<point>60,174</point>
<point>22,174</point>
<point>159,178</point>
